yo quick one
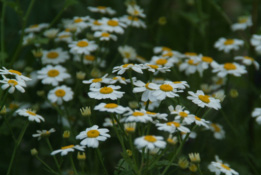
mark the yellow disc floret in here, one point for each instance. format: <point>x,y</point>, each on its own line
<point>204,98</point>
<point>106,90</point>
<point>93,133</point>
<point>82,44</point>
<point>150,138</point>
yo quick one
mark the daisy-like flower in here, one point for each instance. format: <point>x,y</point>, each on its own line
<point>201,122</point>
<point>222,167</point>
<point>163,61</point>
<point>223,70</point>
<point>151,106</point>
<point>91,136</point>
<point>202,100</point>
<point>64,36</point>
<point>105,36</point>
<point>256,42</point>
<point>257,114</point>
<point>130,127</point>
<point>82,47</point>
<point>150,142</point>
<point>156,68</point>
<point>60,94</point>
<point>51,33</point>
<point>135,10</point>
<point>32,116</point>
<point>111,107</point>
<point>128,53</point>
<point>80,22</point>
<point>96,82</point>
<point>121,69</point>
<point>181,114</point>
<point>43,133</point>
<point>66,149</point>
<point>107,92</point>
<point>159,116</point>
<point>227,45</point>
<point>18,75</point>
<point>36,27</point>
<point>248,61</point>
<point>89,60</point>
<point>109,122</point>
<point>160,49</point>
<point>173,140</point>
<point>206,61</point>
<point>102,10</point>
<point>147,91</point>
<point>137,116</point>
<point>243,23</point>
<point>218,130</point>
<point>53,74</point>
<point>172,126</point>
<point>191,65</point>
<point>133,21</point>
<point>119,79</point>
<point>112,25</point>
<point>28,39</point>
<point>180,84</point>
<point>95,25</point>
<point>54,56</point>
<point>13,84</point>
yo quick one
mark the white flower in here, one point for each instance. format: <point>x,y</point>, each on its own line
<point>182,114</point>
<point>109,122</point>
<point>119,79</point>
<point>137,116</point>
<point>201,122</point>
<point>257,113</point>
<point>156,68</point>
<point>28,39</point>
<point>43,133</point>
<point>248,61</point>
<point>53,74</point>
<point>128,53</point>
<point>133,21</point>
<point>96,82</point>
<point>66,149</point>
<point>32,116</point>
<point>229,68</point>
<point>111,107</point>
<point>172,126</point>
<point>105,36</point>
<point>147,91</point>
<point>13,84</point>
<point>256,42</point>
<point>151,105</point>
<point>82,47</point>
<point>219,167</point>
<point>218,130</point>
<point>203,100</point>
<point>163,61</point>
<point>227,45</point>
<point>112,25</point>
<point>135,10</point>
<point>89,59</point>
<point>159,116</point>
<point>91,136</point>
<point>80,22</point>
<point>18,75</point>
<point>121,69</point>
<point>95,24</point>
<point>160,49</point>
<point>243,23</point>
<point>129,127</point>
<point>107,92</point>
<point>64,36</point>
<point>150,142</point>
<point>190,66</point>
<point>54,56</point>
<point>180,84</point>
<point>102,9</point>
<point>36,27</point>
<point>51,33</point>
<point>60,94</point>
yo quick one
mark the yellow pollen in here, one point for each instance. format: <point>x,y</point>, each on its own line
<point>106,90</point>
<point>123,78</point>
<point>67,147</point>
<point>191,62</point>
<point>229,66</point>
<point>96,80</point>
<point>78,20</point>
<point>166,87</point>
<point>161,61</point>
<point>136,114</point>
<point>129,129</point>
<point>31,113</point>
<point>113,23</point>
<point>177,82</point>
<point>204,98</point>
<point>127,54</point>
<point>136,12</point>
<point>93,133</point>
<point>249,58</point>
<point>147,86</point>
<point>15,72</point>
<point>101,7</point>
<point>191,54</point>
<point>229,42</point>
<point>150,138</point>
<point>166,49</point>
<point>207,59</point>
<point>82,44</point>
<point>197,118</point>
<point>60,93</point>
<point>171,141</point>
<point>224,166</point>
<point>169,54</point>
<point>242,20</point>
<point>183,114</point>
<point>97,23</point>
<point>150,113</point>
<point>176,124</point>
<point>105,34</point>
<point>133,18</point>
<point>34,26</point>
<point>67,30</point>
<point>53,73</point>
<point>111,105</point>
<point>126,65</point>
<point>52,55</point>
<point>89,57</point>
<point>12,82</point>
<point>153,66</point>
<point>216,127</point>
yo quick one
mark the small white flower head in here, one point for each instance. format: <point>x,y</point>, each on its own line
<point>79,22</point>
<point>160,116</point>
<point>36,27</point>
<point>66,149</point>
<point>256,42</point>
<point>172,126</point>
<point>112,25</point>
<point>182,115</point>
<point>96,82</point>
<point>220,94</point>
<point>243,23</point>
<point>89,59</point>
<point>227,45</point>
<point>130,127</point>
<point>18,75</point>
<point>54,56</point>
<point>13,84</point>
<point>122,69</point>
<point>151,105</point>
<point>202,100</point>
<point>180,84</point>
<point>161,49</point>
<point>83,46</point>
<point>128,53</point>
<point>163,61</point>
<point>223,70</point>
<point>218,131</point>
<point>109,122</point>
<point>201,122</point>
<point>206,61</point>
<point>102,10</point>
<point>191,65</point>
<point>173,140</point>
<point>32,116</point>
<point>60,94</point>
<point>246,60</point>
<point>105,36</point>
<point>156,68</point>
<point>137,116</point>
<point>44,133</point>
<point>133,21</point>
<point>147,91</point>
<point>91,136</point>
<point>219,167</point>
<point>111,107</point>
<point>150,142</point>
<point>135,10</point>
<point>51,33</point>
<point>53,74</point>
<point>257,114</point>
<point>95,25</point>
<point>119,79</point>
<point>106,92</point>
<point>28,38</point>
<point>64,36</point>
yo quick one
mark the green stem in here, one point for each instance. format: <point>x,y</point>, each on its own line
<point>73,166</point>
<point>2,35</point>
<point>100,158</point>
<point>48,167</point>
<point>54,157</point>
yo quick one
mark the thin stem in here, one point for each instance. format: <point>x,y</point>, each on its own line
<point>73,166</point>
<point>100,158</point>
<point>2,34</point>
<point>8,126</point>
<point>54,157</point>
<point>199,170</point>
<point>48,167</point>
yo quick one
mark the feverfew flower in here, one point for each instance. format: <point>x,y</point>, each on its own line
<point>218,130</point>
<point>109,122</point>
<point>256,42</point>
<point>112,25</point>
<point>96,82</point>
<point>163,61</point>
<point>80,22</point>
<point>137,116</point>
<point>227,45</point>
<point>248,61</point>
<point>121,69</point>
<point>18,75</point>
<point>135,10</point>
<point>160,49</point>
<point>172,126</point>
<point>60,94</point>
<point>223,70</point>
<point>156,68</point>
<point>43,133</point>
<point>243,23</point>
<point>54,56</point>
<point>201,122</point>
<point>13,84</point>
<point>83,46</point>
<point>191,65</point>
<point>181,114</point>
<point>105,36</point>
<point>36,27</point>
<point>147,91</point>
<point>91,136</point>
<point>107,92</point>
<point>64,36</point>
<point>203,100</point>
<point>66,149</point>
<point>32,116</point>
<point>102,10</point>
<point>257,114</point>
<point>119,79</point>
<point>111,107</point>
<point>219,167</point>
<point>150,142</point>
<point>128,53</point>
<point>133,21</point>
<point>51,33</point>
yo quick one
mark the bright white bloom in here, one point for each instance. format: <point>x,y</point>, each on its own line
<point>32,116</point>
<point>163,61</point>
<point>190,66</point>
<point>151,106</point>
<point>28,39</point>
<point>54,56</point>
<point>82,47</point>
<point>156,68</point>
<point>160,49</point>
<point>51,33</point>
<point>227,45</point>
<point>219,167</point>
<point>91,136</point>
<point>150,142</point>
<point>13,84</point>
<point>133,21</point>
<point>223,70</point>
<point>128,53</point>
<point>243,23</point>
<point>64,36</point>
<point>218,130</point>
<point>111,107</point>
<point>201,122</point>
<point>53,74</point>
<point>112,25</point>
<point>121,69</point>
<point>18,75</point>
<point>257,114</point>
<point>105,36</point>
<point>43,133</point>
<point>220,94</point>
<point>119,79</point>
<point>96,82</point>
<point>137,116</point>
<point>182,114</point>
<point>135,10</point>
<point>80,22</point>
<point>102,9</point>
<point>203,100</point>
<point>159,116</point>
<point>36,27</point>
<point>172,126</point>
<point>180,84</point>
<point>206,61</point>
<point>89,60</point>
<point>109,122</point>
<point>248,61</point>
<point>95,25</point>
<point>147,91</point>
<point>60,94</point>
<point>66,149</point>
<point>107,92</point>
<point>130,127</point>
<point>256,42</point>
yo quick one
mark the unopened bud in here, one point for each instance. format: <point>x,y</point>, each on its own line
<point>37,53</point>
<point>183,163</point>
<point>66,134</point>
<point>194,157</point>
<point>193,167</point>
<point>81,156</point>
<point>80,75</point>
<point>34,152</point>
<point>86,111</point>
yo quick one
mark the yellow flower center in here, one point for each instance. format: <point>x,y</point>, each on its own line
<point>129,129</point>
<point>204,98</point>
<point>78,20</point>
<point>93,133</point>
<point>191,54</point>
<point>150,113</point>
<point>133,18</point>
<point>150,138</point>
<point>127,54</point>
<point>126,65</point>
<point>136,12</point>
<point>153,66</point>
<point>242,20</point>
<point>216,127</point>
<point>101,7</point>
<point>67,147</point>
<point>207,59</point>
<point>106,90</point>
<point>53,73</point>
<point>12,82</point>
<point>89,57</point>
<point>113,23</point>
<point>15,72</point>
<point>169,54</point>
<point>136,114</point>
<point>166,87</point>
<point>105,34</point>
<point>111,105</point>
<point>161,61</point>
<point>147,86</point>
<point>176,124</point>
<point>177,82</point>
<point>82,44</point>
<point>249,58</point>
<point>166,49</point>
<point>225,166</point>
<point>171,141</point>
<point>197,118</point>
<point>229,42</point>
<point>97,23</point>
<point>52,55</point>
<point>96,80</point>
<point>31,113</point>
<point>183,114</point>
<point>34,26</point>
<point>230,66</point>
<point>191,62</point>
<point>60,93</point>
